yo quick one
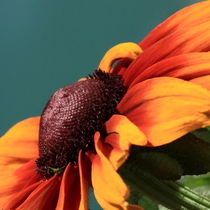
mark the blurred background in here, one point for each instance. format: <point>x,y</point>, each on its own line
<point>46,44</point>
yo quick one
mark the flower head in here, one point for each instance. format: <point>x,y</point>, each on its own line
<point>152,97</point>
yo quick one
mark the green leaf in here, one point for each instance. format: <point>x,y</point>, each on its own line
<point>188,155</point>
<point>191,153</point>
<point>147,203</point>
<point>159,164</point>
<point>203,133</point>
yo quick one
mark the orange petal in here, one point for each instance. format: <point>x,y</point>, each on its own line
<point>128,50</point>
<point>185,40</point>
<point>159,87</point>
<point>107,206</point>
<point>85,177</point>
<point>18,198</point>
<point>20,143</point>
<point>29,176</point>
<point>122,133</point>
<point>166,108</point>
<point>17,147</point>
<point>115,154</point>
<point>69,195</point>
<point>202,81</point>
<point>187,17</point>
<point>185,66</point>
<point>16,181</point>
<point>44,196</point>
<point>166,34</point>
<point>129,132</point>
<point>107,184</point>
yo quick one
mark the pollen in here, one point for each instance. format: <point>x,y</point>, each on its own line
<point>72,116</point>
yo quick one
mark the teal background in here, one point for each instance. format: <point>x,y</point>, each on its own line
<point>46,44</point>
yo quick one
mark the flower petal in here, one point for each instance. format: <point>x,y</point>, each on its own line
<point>107,206</point>
<point>129,132</point>
<point>185,66</point>
<point>202,81</point>
<point>171,37</point>
<point>122,133</point>
<point>16,181</point>
<point>184,18</point>
<point>18,198</point>
<point>44,196</point>
<point>105,179</point>
<point>20,143</point>
<point>128,50</point>
<point>166,108</point>
<point>17,147</point>
<point>85,178</point>
<point>69,195</point>
<point>182,41</point>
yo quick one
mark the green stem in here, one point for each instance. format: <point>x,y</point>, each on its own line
<point>185,191</point>
<point>173,195</point>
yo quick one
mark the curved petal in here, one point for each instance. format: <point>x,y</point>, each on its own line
<point>14,182</point>
<point>128,50</point>
<point>105,179</point>
<point>69,195</point>
<point>17,147</point>
<point>107,206</point>
<point>20,143</point>
<point>85,179</point>
<point>44,196</point>
<point>129,132</point>
<point>202,81</point>
<point>185,66</point>
<point>187,17</point>
<point>165,40</point>
<point>182,41</point>
<point>121,134</point>
<point>166,108</point>
<point>18,198</point>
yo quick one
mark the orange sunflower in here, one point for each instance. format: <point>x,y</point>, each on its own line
<point>158,92</point>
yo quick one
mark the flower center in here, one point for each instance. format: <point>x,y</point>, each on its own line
<point>72,116</point>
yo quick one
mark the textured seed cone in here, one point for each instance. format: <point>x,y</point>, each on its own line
<point>72,116</point>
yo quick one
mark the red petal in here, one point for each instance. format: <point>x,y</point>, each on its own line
<point>18,198</point>
<point>85,178</point>
<point>185,66</point>
<point>69,195</point>
<point>19,180</point>
<point>185,18</point>
<point>195,39</point>
<point>44,196</point>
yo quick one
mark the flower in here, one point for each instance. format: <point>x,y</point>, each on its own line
<point>57,173</point>
<point>152,97</point>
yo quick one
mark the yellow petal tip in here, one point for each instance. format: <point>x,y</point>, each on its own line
<point>128,50</point>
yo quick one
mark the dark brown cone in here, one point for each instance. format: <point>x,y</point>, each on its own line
<point>72,116</point>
